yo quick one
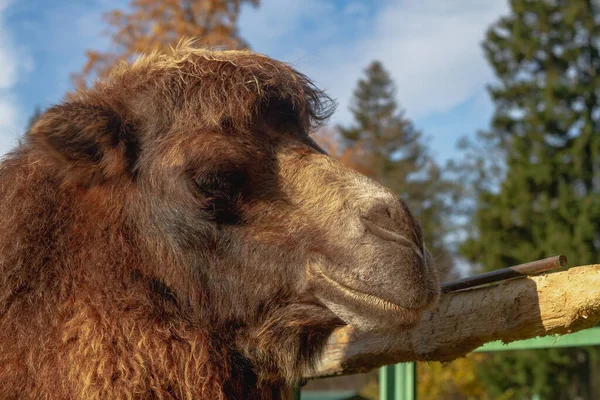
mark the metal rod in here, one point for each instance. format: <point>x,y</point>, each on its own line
<point>499,275</point>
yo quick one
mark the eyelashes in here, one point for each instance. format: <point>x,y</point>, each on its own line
<point>221,183</point>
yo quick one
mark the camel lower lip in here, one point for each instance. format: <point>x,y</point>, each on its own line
<point>365,297</point>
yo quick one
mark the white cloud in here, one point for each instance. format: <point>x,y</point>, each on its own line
<point>12,63</point>
<point>432,48</point>
<point>275,25</point>
<point>70,48</point>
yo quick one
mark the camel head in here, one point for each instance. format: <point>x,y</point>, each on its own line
<point>234,212</point>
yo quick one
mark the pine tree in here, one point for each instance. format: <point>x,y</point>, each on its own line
<point>547,125</point>
<point>547,119</point>
<point>391,151</point>
<point>159,24</point>
<point>391,145</point>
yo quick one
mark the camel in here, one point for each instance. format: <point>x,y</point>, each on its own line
<point>173,232</point>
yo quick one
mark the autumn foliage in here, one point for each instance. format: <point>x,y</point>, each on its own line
<point>159,24</point>
<point>353,156</point>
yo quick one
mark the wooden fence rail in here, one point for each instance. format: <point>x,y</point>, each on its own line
<point>558,303</point>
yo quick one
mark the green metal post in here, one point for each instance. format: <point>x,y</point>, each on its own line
<point>386,383</point>
<point>410,381</point>
<point>398,382</point>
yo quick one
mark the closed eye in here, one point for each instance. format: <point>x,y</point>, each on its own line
<point>221,181</point>
<point>220,193</point>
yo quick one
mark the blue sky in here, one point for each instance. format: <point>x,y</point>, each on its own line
<point>432,48</point>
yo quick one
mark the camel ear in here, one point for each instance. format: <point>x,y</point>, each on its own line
<point>89,142</point>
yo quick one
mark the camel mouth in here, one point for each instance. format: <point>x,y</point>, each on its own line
<point>408,316</point>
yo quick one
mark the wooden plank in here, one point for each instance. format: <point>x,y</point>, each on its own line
<point>558,303</point>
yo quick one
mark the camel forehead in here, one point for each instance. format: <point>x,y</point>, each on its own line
<point>216,90</point>
<point>197,61</point>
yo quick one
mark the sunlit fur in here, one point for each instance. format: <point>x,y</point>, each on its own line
<point>161,232</point>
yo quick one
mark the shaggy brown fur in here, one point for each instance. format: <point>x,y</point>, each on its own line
<point>174,233</point>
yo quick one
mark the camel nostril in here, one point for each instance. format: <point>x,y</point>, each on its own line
<point>381,216</point>
<point>393,224</point>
